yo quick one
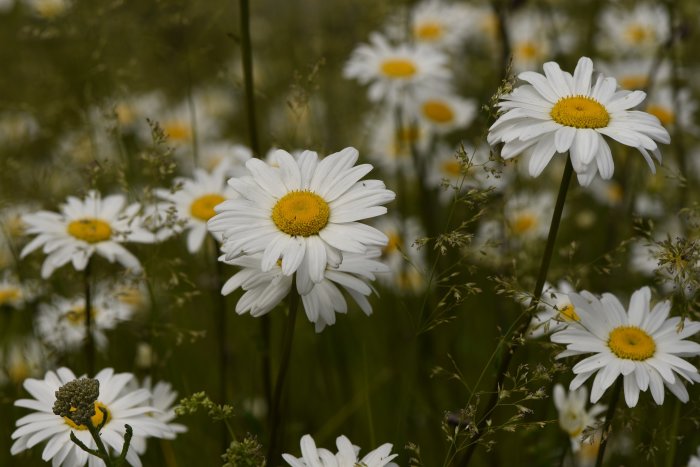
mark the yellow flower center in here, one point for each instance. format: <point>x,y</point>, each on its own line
<point>632,82</point>
<point>571,422</point>
<point>527,50</point>
<point>393,243</point>
<point>429,31</point>
<point>638,33</point>
<point>524,223</point>
<point>437,111</point>
<point>301,213</point>
<point>568,313</point>
<point>76,315</point>
<point>631,343</point>
<point>9,294</point>
<point>49,8</point>
<point>398,68</point>
<point>580,112</point>
<point>664,114</point>
<point>90,230</point>
<point>96,419</point>
<point>178,131</point>
<point>451,168</point>
<point>203,207</point>
<point>125,114</point>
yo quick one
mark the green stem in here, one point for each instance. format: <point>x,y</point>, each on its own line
<point>275,418</point>
<point>89,339</point>
<point>672,442</point>
<point>524,318</point>
<point>608,421</point>
<point>247,59</point>
<point>222,330</point>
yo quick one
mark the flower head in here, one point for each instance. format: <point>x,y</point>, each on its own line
<point>303,212</point>
<point>347,455</point>
<point>394,70</point>
<point>574,418</point>
<point>113,407</point>
<point>85,227</point>
<point>642,345</point>
<point>557,112</point>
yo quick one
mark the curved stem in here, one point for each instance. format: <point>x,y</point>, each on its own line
<point>275,415</point>
<point>608,421</point>
<point>89,339</point>
<point>524,319</point>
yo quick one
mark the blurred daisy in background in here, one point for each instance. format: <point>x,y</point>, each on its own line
<point>530,42</point>
<point>17,127</point>
<point>305,212</point>
<point>84,227</point>
<point>347,455</point>
<point>674,111</point>
<point>574,418</point>
<point>528,216</point>
<point>637,31</point>
<point>48,9</point>
<point>61,323</point>
<point>606,192</point>
<point>13,293</point>
<point>390,143</point>
<point>392,71</point>
<point>694,461</point>
<point>440,112</point>
<point>23,358</point>
<point>406,272</point>
<point>557,112</point>
<point>635,73</point>
<point>556,310</point>
<point>195,200</point>
<point>123,407</point>
<point>642,345</point>
<point>451,169</point>
<point>232,156</point>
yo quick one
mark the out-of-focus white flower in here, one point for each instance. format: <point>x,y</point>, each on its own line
<point>390,142</point>
<point>392,71</point>
<point>475,171</point>
<point>440,112</point>
<point>232,156</point>
<point>22,359</point>
<point>406,263</point>
<point>528,216</point>
<point>639,31</point>
<point>556,310</point>
<point>49,9</point>
<point>17,127</point>
<point>436,23</point>
<point>573,415</point>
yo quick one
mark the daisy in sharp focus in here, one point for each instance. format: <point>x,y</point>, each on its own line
<point>195,200</point>
<point>574,418</point>
<point>305,212</point>
<point>123,407</point>
<point>557,112</point>
<point>393,70</point>
<point>347,455</point>
<point>642,345</point>
<point>84,227</point>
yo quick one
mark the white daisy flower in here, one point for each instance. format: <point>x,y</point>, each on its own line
<point>441,112</point>
<point>574,418</point>
<point>406,263</point>
<point>559,112</point>
<point>13,293</point>
<point>634,73</point>
<point>530,40</point>
<point>446,167</point>
<point>22,359</point>
<point>528,216</point>
<point>389,147</point>
<point>438,24</point>
<point>670,111</point>
<point>123,407</point>
<point>556,311</point>
<point>607,192</point>
<point>195,200</point>
<point>642,345</point>
<point>234,156</point>
<point>304,212</point>
<point>61,323</point>
<point>49,9</point>
<point>393,70</point>
<point>84,227</point>
<point>162,399</point>
<point>639,31</point>
<point>264,290</point>
<point>346,456</point>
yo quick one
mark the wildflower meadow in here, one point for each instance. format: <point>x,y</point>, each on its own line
<point>340,233</point>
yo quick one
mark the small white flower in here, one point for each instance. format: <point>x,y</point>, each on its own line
<point>123,407</point>
<point>303,212</point>
<point>22,359</point>
<point>635,32</point>
<point>642,345</point>
<point>440,112</point>
<point>347,455</point>
<point>61,323</point>
<point>85,227</point>
<point>558,311</point>
<point>528,216</point>
<point>558,112</point>
<point>13,293</point>
<point>574,418</point>
<point>195,200</point>
<point>392,71</point>
<point>436,23</point>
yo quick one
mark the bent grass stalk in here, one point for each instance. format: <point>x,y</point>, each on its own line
<point>524,318</point>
